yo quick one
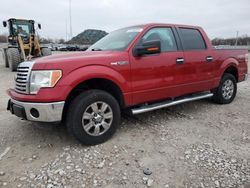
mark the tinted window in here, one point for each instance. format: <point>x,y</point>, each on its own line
<point>192,39</point>
<point>165,35</point>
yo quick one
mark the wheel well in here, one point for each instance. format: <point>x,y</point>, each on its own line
<point>232,70</point>
<point>97,83</point>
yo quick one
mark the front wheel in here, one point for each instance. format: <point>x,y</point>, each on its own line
<point>93,117</point>
<point>14,58</point>
<point>5,58</point>
<point>226,91</point>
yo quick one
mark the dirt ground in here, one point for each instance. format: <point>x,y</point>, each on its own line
<point>197,144</point>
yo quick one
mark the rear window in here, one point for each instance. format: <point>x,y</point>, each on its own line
<point>192,39</point>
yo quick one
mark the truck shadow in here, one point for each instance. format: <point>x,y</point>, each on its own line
<point>186,110</point>
<point>54,134</point>
<point>57,134</point>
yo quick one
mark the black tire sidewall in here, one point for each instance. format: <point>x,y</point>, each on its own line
<point>5,58</point>
<point>226,77</point>
<point>13,58</point>
<point>77,108</point>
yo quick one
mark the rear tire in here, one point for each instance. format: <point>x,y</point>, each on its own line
<point>226,91</point>
<point>93,117</point>
<point>46,51</point>
<point>5,58</point>
<point>14,58</point>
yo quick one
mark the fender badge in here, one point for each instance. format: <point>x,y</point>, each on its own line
<point>119,63</point>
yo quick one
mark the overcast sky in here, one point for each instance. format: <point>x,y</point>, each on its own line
<point>220,18</point>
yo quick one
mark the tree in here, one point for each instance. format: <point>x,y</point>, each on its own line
<point>242,41</point>
<point>46,40</point>
<point>61,41</point>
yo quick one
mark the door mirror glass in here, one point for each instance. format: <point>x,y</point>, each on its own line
<point>39,26</point>
<point>147,48</point>
<point>4,23</point>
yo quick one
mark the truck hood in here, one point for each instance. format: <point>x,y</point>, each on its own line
<point>74,60</point>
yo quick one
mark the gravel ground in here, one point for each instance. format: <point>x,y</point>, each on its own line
<point>198,144</point>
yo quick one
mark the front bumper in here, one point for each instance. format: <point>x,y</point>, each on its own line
<point>41,112</point>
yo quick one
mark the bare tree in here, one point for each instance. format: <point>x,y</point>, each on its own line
<point>46,40</point>
<point>242,41</point>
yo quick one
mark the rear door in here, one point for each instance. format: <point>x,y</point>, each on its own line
<point>199,58</point>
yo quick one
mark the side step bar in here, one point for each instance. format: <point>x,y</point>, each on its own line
<point>168,103</point>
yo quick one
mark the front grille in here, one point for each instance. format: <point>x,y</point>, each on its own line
<point>22,77</point>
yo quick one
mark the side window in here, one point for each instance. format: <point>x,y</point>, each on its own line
<point>192,39</point>
<point>165,35</point>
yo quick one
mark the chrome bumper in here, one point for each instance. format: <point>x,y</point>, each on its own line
<point>47,112</point>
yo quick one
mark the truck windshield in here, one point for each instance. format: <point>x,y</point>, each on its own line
<point>117,40</point>
<point>22,28</point>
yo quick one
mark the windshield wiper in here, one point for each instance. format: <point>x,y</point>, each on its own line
<point>96,49</point>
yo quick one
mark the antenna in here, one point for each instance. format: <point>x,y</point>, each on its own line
<point>70,19</point>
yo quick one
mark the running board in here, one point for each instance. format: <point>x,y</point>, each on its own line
<point>168,103</point>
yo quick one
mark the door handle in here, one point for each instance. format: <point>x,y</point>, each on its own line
<point>209,59</point>
<point>179,61</point>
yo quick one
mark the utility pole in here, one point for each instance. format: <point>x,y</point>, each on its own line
<point>237,36</point>
<point>66,31</point>
<point>70,20</point>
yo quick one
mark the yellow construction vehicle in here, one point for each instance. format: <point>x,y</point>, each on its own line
<point>23,43</point>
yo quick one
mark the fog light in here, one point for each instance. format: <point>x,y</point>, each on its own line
<point>34,112</point>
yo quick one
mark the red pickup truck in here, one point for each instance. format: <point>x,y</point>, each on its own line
<point>139,68</point>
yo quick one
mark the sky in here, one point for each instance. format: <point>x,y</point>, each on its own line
<point>219,18</point>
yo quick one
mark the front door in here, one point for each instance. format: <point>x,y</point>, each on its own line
<point>153,76</point>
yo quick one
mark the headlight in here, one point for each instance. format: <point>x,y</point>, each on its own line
<point>41,79</point>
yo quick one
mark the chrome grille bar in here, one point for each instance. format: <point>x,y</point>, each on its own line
<point>22,77</point>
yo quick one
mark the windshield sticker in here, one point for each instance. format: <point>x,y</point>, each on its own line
<point>135,30</point>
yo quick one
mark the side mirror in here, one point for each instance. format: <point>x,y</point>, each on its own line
<point>39,26</point>
<point>4,23</point>
<point>147,48</point>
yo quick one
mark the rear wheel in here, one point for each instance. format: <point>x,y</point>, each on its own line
<point>226,91</point>
<point>14,58</point>
<point>93,117</point>
<point>46,51</point>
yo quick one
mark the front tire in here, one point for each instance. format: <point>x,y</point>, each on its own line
<point>227,90</point>
<point>5,58</point>
<point>14,58</point>
<point>93,117</point>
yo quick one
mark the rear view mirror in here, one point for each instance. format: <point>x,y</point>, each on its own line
<point>39,26</point>
<point>4,23</point>
<point>147,48</point>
